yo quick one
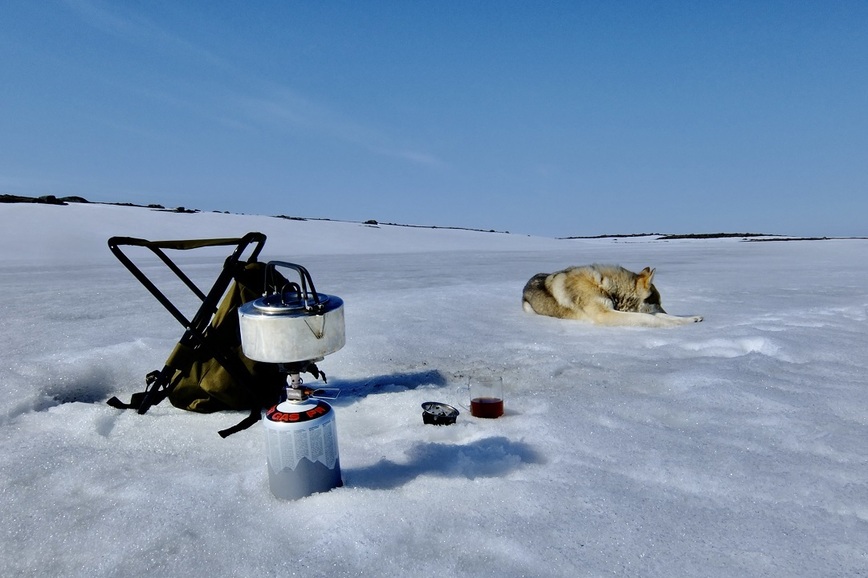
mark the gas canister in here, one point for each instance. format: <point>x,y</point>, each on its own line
<point>302,448</point>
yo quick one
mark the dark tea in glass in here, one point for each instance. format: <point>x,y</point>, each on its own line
<point>486,407</point>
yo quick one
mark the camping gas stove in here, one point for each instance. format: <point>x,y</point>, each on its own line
<point>294,326</point>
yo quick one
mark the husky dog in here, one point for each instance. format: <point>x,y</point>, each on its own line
<point>602,294</point>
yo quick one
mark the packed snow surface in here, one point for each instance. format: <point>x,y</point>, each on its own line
<point>733,447</point>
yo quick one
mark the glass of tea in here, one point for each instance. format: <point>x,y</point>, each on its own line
<point>486,396</point>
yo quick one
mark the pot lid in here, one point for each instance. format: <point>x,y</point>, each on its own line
<point>438,413</point>
<point>313,303</point>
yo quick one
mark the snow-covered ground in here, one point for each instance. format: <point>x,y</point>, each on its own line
<point>734,447</point>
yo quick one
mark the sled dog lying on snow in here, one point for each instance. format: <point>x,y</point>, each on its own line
<point>602,294</point>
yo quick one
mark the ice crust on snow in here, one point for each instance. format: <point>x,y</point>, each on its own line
<point>733,447</point>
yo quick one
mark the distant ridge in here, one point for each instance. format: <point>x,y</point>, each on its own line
<point>665,237</point>
<point>53,200</point>
<point>375,223</point>
<point>747,237</point>
<point>46,200</point>
<point>624,236</point>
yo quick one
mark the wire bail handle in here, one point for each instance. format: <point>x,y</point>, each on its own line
<point>301,291</point>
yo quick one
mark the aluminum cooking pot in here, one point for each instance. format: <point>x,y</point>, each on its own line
<point>292,323</point>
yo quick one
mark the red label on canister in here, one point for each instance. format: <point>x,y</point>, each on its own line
<point>305,413</point>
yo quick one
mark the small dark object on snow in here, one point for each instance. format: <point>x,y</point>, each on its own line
<point>437,413</point>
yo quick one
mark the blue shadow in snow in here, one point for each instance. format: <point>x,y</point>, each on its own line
<point>486,458</point>
<point>352,390</point>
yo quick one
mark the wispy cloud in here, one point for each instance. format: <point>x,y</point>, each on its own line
<point>288,108</point>
<point>245,100</point>
<point>137,29</point>
<point>415,157</point>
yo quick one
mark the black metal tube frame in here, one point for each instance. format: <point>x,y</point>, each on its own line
<point>194,334</point>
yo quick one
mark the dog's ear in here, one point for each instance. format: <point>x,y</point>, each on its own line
<point>644,278</point>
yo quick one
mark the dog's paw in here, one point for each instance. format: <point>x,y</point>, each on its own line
<point>697,318</point>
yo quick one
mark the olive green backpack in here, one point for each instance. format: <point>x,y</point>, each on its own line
<point>207,370</point>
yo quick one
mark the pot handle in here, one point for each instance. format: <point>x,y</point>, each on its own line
<point>304,277</point>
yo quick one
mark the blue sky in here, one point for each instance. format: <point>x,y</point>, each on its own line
<point>549,118</point>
